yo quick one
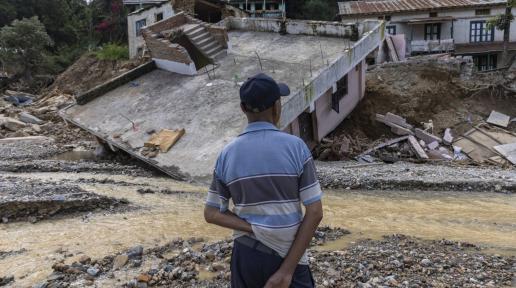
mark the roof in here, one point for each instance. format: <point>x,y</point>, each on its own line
<point>150,5</point>
<point>380,7</point>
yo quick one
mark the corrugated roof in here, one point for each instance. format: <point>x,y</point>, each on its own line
<point>369,7</point>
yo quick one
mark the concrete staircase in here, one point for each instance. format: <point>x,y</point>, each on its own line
<point>203,40</point>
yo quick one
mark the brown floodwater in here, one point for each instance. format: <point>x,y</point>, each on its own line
<point>487,219</point>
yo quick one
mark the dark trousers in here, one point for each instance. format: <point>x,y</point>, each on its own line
<point>251,267</point>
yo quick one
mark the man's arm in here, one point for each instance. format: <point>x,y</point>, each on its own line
<point>283,277</point>
<point>226,219</point>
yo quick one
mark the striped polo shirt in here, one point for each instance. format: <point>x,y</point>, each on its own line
<point>267,174</point>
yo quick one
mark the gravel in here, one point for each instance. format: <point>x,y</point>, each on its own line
<point>394,261</point>
<point>411,176</point>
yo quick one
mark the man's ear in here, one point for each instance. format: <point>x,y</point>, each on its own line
<point>242,106</point>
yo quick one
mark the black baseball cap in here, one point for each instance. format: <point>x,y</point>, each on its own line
<point>260,92</point>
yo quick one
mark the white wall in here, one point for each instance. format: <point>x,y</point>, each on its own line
<point>136,42</point>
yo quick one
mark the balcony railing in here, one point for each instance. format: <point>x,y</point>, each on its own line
<point>432,45</point>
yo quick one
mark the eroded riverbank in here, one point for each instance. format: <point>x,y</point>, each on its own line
<point>484,219</point>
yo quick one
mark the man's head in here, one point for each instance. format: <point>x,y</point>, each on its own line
<point>260,98</point>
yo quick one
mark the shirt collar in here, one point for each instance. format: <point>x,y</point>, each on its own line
<point>258,126</point>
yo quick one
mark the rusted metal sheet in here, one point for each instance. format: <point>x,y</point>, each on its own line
<point>380,7</point>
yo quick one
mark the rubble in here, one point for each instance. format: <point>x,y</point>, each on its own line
<point>30,119</point>
<point>498,119</point>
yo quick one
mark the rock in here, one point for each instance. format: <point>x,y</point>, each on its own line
<point>93,271</point>
<point>5,219</point>
<point>11,124</point>
<point>84,259</point>
<point>135,252</point>
<point>433,145</point>
<point>210,255</point>
<point>217,266</point>
<point>426,262</point>
<point>6,280</point>
<point>120,261</point>
<point>40,285</point>
<point>144,278</point>
<point>30,119</point>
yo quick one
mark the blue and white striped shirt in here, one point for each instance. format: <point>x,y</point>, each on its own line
<point>267,174</point>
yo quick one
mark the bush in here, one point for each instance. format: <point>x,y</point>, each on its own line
<point>113,52</point>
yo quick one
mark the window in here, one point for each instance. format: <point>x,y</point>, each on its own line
<point>258,6</point>
<point>485,62</point>
<point>391,29</point>
<point>482,12</point>
<point>342,90</point>
<point>480,33</point>
<point>272,6</point>
<point>159,16</point>
<point>139,25</point>
<point>433,31</point>
<point>433,14</point>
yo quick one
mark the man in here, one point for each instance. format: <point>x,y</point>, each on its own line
<point>268,174</point>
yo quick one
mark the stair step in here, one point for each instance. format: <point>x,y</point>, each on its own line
<point>209,46</point>
<point>204,41</point>
<point>214,56</point>
<point>196,32</point>
<point>213,51</point>
<point>199,38</point>
<point>191,27</point>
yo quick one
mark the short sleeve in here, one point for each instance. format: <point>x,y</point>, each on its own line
<point>309,187</point>
<point>218,194</point>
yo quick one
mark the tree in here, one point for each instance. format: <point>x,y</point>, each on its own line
<point>312,9</point>
<point>22,45</point>
<point>503,23</point>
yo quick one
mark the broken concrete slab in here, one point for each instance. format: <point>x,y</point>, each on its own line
<point>427,137</point>
<point>498,119</point>
<point>433,145</point>
<point>396,119</point>
<point>398,130</point>
<point>417,148</point>
<point>508,151</point>
<point>11,124</point>
<point>30,119</point>
<point>448,137</point>
<point>385,144</point>
<point>395,128</point>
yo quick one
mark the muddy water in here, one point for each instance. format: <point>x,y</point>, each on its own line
<point>486,219</point>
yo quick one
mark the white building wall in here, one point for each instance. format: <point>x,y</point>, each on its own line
<point>149,14</point>
<point>461,24</point>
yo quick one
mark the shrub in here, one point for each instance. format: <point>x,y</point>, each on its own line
<point>113,52</point>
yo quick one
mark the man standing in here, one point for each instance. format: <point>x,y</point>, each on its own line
<point>268,174</point>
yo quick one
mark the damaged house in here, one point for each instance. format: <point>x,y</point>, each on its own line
<point>189,93</point>
<point>455,26</point>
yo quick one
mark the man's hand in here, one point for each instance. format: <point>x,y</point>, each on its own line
<point>283,277</point>
<point>280,279</point>
<point>226,219</point>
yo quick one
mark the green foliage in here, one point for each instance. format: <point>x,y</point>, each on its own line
<point>312,9</point>
<point>23,44</point>
<point>113,52</point>
<point>499,21</point>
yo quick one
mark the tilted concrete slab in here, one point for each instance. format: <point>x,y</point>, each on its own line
<point>207,105</point>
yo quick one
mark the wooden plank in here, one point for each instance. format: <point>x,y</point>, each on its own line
<point>417,148</point>
<point>165,139</point>
<point>385,144</point>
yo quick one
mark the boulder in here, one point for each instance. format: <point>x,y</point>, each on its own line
<point>30,119</point>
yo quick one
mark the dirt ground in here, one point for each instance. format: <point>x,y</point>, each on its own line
<point>426,88</point>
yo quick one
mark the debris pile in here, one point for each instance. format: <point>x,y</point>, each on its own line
<point>483,144</point>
